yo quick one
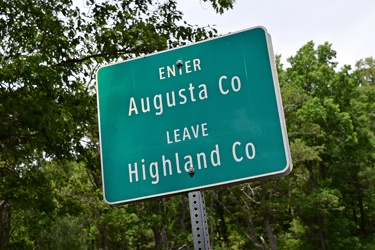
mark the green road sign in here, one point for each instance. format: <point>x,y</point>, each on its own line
<point>199,116</point>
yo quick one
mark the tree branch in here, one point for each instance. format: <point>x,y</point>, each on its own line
<point>79,60</point>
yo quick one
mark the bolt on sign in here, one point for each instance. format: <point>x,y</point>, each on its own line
<point>199,116</point>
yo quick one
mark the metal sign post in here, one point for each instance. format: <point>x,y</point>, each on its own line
<point>199,220</point>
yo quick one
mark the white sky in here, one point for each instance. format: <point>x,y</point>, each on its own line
<point>349,25</point>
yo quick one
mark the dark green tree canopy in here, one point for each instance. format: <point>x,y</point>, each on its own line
<point>49,53</point>
<point>50,181</point>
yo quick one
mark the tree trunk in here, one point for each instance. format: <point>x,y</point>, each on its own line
<point>157,238</point>
<point>311,174</point>
<point>222,229</point>
<point>5,217</point>
<point>182,219</point>
<point>266,220</point>
<point>293,217</point>
<point>103,237</point>
<point>323,235</point>
<point>362,219</point>
<point>103,234</point>
<point>156,228</point>
<point>271,237</point>
<point>250,226</point>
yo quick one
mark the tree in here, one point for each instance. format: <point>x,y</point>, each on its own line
<point>48,57</point>
<point>367,68</point>
<point>221,5</point>
<point>49,152</point>
<point>329,146</point>
<point>323,203</point>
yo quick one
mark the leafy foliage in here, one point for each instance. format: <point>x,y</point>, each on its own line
<point>50,186</point>
<point>48,57</point>
<point>221,5</point>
